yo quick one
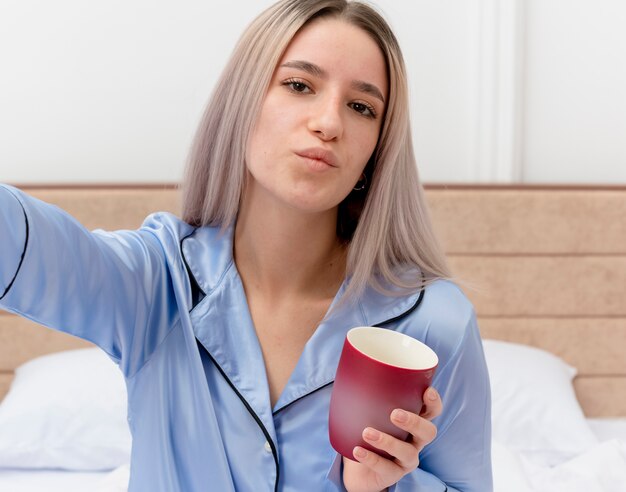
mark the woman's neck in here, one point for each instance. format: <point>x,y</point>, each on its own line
<point>283,252</point>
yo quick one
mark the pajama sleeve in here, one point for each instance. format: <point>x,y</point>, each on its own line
<point>111,288</point>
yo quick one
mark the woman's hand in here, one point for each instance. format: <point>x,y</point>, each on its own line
<point>374,473</point>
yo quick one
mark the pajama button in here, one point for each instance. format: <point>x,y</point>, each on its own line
<point>267,447</point>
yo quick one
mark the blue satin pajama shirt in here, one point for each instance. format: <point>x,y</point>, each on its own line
<point>166,303</point>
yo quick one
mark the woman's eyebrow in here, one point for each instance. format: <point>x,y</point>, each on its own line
<point>368,88</point>
<point>308,67</point>
<point>319,72</point>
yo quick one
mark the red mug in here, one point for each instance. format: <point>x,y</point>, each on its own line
<point>379,370</point>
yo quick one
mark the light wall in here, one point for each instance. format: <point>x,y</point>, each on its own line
<point>501,90</point>
<point>575,91</point>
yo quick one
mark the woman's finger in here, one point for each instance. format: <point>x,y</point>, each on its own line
<point>405,453</point>
<point>433,406</point>
<point>387,470</point>
<point>422,430</point>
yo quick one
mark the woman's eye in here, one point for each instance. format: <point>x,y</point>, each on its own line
<point>297,86</point>
<point>363,109</point>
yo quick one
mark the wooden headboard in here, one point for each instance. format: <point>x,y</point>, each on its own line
<point>544,266</point>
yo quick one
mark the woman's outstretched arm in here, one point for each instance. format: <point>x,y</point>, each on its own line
<point>111,288</point>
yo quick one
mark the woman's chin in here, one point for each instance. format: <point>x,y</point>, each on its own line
<point>306,198</point>
<point>309,203</point>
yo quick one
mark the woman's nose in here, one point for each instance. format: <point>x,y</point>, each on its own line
<point>325,120</point>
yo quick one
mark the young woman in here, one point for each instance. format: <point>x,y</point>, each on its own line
<point>303,217</point>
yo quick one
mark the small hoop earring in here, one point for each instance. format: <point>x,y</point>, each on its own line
<point>361,183</point>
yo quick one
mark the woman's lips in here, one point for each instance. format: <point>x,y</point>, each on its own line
<point>316,164</point>
<point>318,157</point>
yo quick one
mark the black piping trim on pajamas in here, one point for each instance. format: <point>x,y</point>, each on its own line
<point>251,411</point>
<point>300,398</point>
<point>197,294</point>
<point>409,311</point>
<point>23,252</point>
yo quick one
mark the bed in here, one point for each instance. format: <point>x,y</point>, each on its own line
<point>545,267</point>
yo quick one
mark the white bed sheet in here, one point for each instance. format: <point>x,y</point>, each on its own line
<point>64,481</point>
<point>601,468</point>
<point>49,480</point>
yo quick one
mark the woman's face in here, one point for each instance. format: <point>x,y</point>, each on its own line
<point>321,117</point>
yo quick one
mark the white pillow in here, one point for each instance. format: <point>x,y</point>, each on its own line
<point>66,410</point>
<point>534,406</point>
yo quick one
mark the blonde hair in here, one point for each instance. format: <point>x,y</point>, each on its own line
<point>388,228</point>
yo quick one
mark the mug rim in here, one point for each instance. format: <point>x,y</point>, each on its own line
<point>394,333</point>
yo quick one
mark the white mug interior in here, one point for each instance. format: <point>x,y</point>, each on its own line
<point>392,347</point>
